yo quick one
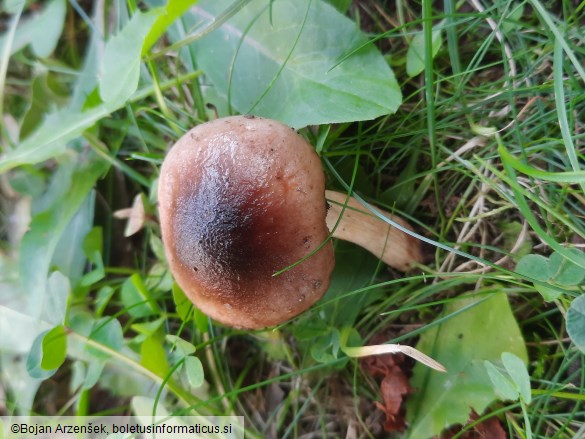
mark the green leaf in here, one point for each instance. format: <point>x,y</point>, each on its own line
<point>41,30</point>
<point>55,306</point>
<point>103,298</point>
<point>59,128</point>
<point>284,63</point>
<point>70,187</point>
<point>173,10</point>
<point>415,56</point>
<point>148,328</point>
<point>481,331</point>
<point>182,303</point>
<point>548,294</point>
<point>136,297</point>
<point>19,330</point>
<point>516,368</point>
<point>512,21</point>
<point>153,356</point>
<point>94,372</point>
<point>325,349</point>
<point>183,346</point>
<point>157,247</point>
<point>511,231</point>
<point>43,100</point>
<point>201,320</point>
<point>93,241</point>
<point>535,267</point>
<point>355,268</point>
<point>341,5</point>
<point>35,357</point>
<point>558,177</point>
<point>122,58</point>
<point>576,322</point>
<point>54,348</point>
<point>108,333</point>
<point>68,254</point>
<point>85,375</point>
<point>92,247</point>
<point>194,371</point>
<point>503,385</point>
<point>565,272</point>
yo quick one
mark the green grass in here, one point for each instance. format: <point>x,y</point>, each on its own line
<point>484,157</point>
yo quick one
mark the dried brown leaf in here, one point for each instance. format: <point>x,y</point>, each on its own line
<point>394,387</point>
<point>487,429</point>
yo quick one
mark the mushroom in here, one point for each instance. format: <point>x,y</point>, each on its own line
<point>242,198</point>
<point>356,224</point>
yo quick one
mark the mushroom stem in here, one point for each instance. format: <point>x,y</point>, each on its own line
<point>358,225</point>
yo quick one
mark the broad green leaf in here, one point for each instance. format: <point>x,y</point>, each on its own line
<point>59,128</point>
<point>325,349</point>
<point>106,332</point>
<point>93,241</point>
<point>159,279</point>
<point>153,356</point>
<point>51,137</point>
<point>548,294</point>
<point>77,175</point>
<point>103,298</point>
<point>341,5</point>
<point>55,306</point>
<point>194,371</point>
<point>92,247</point>
<point>182,303</point>
<point>69,255</point>
<point>565,272</point>
<point>201,320</point>
<point>484,328</point>
<point>44,99</point>
<point>136,297</point>
<point>86,376</point>
<point>19,330</point>
<point>281,60</point>
<point>120,69</point>
<point>516,368</point>
<point>504,386</point>
<point>42,30</point>
<point>77,375</point>
<point>30,181</point>
<point>576,322</point>
<point>94,372</point>
<point>535,267</point>
<point>173,10</point>
<point>54,348</point>
<point>355,268</point>
<point>148,328</point>
<point>415,56</point>
<point>35,357</point>
<point>183,346</point>
<point>158,248</point>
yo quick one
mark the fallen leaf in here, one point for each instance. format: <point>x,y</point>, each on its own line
<point>393,387</point>
<point>487,429</point>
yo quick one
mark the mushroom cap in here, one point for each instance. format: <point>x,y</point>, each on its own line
<point>241,198</point>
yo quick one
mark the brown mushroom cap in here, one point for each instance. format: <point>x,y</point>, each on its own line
<point>241,198</point>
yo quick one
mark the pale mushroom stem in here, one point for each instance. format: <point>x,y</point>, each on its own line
<point>396,248</point>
